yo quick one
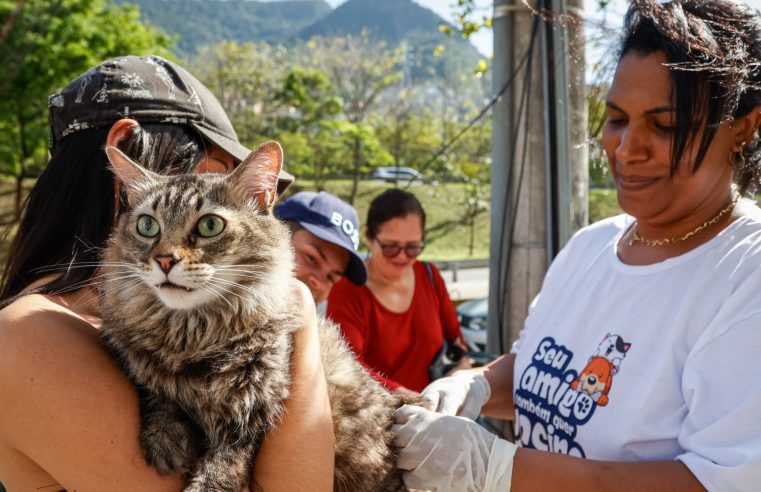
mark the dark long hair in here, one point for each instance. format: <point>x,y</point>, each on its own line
<point>69,213</point>
<point>713,49</point>
<point>391,204</point>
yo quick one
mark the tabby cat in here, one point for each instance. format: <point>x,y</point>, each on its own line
<point>199,307</point>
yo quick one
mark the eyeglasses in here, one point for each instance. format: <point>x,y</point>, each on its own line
<point>391,250</point>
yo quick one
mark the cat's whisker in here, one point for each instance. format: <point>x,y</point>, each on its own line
<point>79,285</point>
<point>242,270</point>
<point>237,266</point>
<point>126,275</point>
<point>94,281</point>
<point>244,273</point>
<point>215,283</point>
<point>235,284</point>
<point>88,245</point>
<point>251,273</point>
<point>86,263</point>
<point>253,278</point>
<point>211,291</point>
<point>101,295</point>
<point>59,267</point>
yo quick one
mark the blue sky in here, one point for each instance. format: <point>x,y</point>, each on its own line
<point>483,39</point>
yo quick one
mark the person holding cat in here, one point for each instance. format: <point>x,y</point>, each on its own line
<point>70,419</point>
<point>397,324</point>
<point>640,354</point>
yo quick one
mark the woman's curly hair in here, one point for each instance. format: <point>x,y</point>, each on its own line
<point>713,48</point>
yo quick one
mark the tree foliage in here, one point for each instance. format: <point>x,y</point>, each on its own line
<point>364,69</point>
<point>340,106</point>
<point>46,44</point>
<point>200,24</point>
<point>246,78</point>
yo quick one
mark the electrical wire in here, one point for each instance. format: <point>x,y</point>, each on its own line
<point>510,208</point>
<point>445,147</point>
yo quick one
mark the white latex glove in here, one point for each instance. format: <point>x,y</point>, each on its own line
<point>443,453</point>
<point>463,394</point>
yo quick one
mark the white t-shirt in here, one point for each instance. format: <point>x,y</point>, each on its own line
<point>657,362</point>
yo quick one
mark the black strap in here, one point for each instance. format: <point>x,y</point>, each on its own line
<point>429,269</point>
<point>430,272</point>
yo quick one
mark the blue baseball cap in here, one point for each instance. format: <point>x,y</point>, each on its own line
<point>331,219</point>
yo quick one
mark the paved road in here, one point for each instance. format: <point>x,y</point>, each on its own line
<point>471,283</point>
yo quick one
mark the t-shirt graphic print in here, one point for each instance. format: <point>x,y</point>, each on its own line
<point>553,399</point>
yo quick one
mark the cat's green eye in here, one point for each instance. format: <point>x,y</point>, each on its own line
<point>147,226</point>
<point>210,225</point>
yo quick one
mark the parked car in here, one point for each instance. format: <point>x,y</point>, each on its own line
<point>396,174</point>
<point>472,315</point>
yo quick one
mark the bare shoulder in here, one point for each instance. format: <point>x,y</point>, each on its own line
<point>44,347</point>
<point>33,326</point>
<point>68,411</point>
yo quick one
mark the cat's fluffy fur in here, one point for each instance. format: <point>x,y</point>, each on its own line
<point>203,327</point>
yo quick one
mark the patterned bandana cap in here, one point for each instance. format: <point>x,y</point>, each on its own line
<point>148,89</point>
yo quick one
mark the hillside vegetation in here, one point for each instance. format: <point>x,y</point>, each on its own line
<point>196,24</point>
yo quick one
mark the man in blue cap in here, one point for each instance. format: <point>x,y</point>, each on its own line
<point>325,233</point>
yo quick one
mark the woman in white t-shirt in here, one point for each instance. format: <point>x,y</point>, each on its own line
<point>639,364</point>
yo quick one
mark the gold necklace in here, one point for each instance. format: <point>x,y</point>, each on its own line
<point>636,238</point>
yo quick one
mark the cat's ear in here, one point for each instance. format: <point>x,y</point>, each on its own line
<point>130,174</point>
<point>256,177</point>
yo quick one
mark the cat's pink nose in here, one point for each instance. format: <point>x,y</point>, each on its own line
<point>166,262</point>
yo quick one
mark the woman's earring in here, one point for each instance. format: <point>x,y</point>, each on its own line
<point>737,158</point>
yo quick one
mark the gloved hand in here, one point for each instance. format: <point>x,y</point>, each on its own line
<point>463,393</point>
<point>450,454</point>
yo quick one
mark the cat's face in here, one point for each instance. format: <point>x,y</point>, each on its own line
<point>613,348</point>
<point>194,240</point>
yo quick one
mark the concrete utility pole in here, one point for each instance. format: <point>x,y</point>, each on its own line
<point>579,116</point>
<point>539,171</point>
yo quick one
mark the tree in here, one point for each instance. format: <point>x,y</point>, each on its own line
<point>308,95</point>
<point>245,77</point>
<point>49,43</point>
<point>473,164</point>
<point>360,70</point>
<point>407,129</point>
<point>364,150</point>
<point>598,163</point>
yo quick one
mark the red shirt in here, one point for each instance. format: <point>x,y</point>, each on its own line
<point>396,348</point>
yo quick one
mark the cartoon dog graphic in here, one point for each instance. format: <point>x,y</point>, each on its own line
<point>595,379</point>
<point>597,376</point>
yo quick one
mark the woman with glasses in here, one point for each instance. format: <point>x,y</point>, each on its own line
<point>398,322</point>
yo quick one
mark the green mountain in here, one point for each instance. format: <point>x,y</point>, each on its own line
<point>396,21</point>
<point>392,20</point>
<point>198,23</point>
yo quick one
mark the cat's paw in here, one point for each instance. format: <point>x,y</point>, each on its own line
<point>170,448</point>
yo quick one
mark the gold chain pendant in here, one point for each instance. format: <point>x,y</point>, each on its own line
<point>636,238</point>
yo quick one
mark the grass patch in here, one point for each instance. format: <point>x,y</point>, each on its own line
<point>448,229</point>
